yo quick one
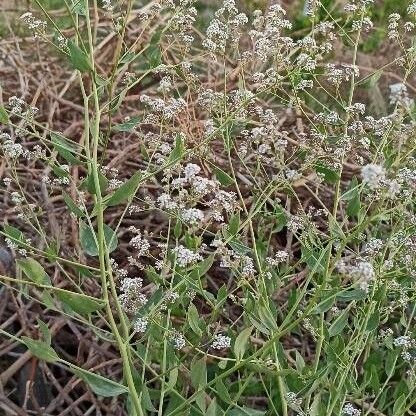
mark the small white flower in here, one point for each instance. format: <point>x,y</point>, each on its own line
<point>373,175</point>
<point>220,342</point>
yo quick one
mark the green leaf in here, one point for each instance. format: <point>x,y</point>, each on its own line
<point>212,408</point>
<point>88,242</point>
<point>34,271</point>
<point>246,411</point>
<point>72,206</point>
<point>125,192</point>
<point>339,323</point>
<point>46,334</point>
<point>234,224</point>
<point>127,125</point>
<point>203,267</point>
<point>78,7</point>
<point>13,233</point>
<point>89,183</point>
<point>41,350</point>
<point>354,294</point>
<point>65,148</point>
<point>330,175</point>
<point>78,58</point>
<point>178,150</point>
<point>239,247</point>
<point>223,177</point>
<point>241,341</point>
<point>4,117</point>
<point>399,405</point>
<point>199,373</point>
<point>153,53</point>
<point>354,203</point>
<point>222,391</point>
<point>373,321</point>
<point>100,385</point>
<point>193,319</point>
<point>281,218</point>
<point>79,303</point>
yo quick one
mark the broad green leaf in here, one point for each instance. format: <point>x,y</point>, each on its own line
<point>178,150</point>
<point>239,247</point>
<point>373,321</point>
<point>234,224</point>
<point>330,175</point>
<point>193,319</point>
<point>127,58</point>
<point>203,267</point>
<point>399,405</point>
<point>125,191</point>
<point>46,334</point>
<point>88,242</point>
<point>65,148</point>
<point>101,385</point>
<point>79,303</point>
<point>72,206</point>
<point>78,58</point>
<point>223,177</point>
<point>354,203</point>
<point>4,117</point>
<point>199,373</point>
<point>78,7</point>
<point>41,349</point>
<point>339,323</point>
<point>212,408</point>
<point>13,233</point>
<point>222,391</point>
<point>89,183</point>
<point>246,411</point>
<point>241,341</point>
<point>353,294</point>
<point>127,125</point>
<point>34,271</point>
<point>153,53</point>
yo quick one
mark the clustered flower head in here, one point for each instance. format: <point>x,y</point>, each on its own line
<point>36,25</point>
<point>361,272</point>
<point>131,298</point>
<point>350,410</point>
<point>185,256</point>
<point>189,188</point>
<point>373,175</point>
<point>220,342</point>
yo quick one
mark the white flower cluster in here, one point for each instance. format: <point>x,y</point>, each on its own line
<point>185,257</point>
<point>139,242</point>
<point>166,109</point>
<point>278,258</point>
<point>267,34</point>
<point>36,25</point>
<point>193,188</point>
<point>362,272</point>
<point>373,175</point>
<point>220,342</point>
<point>140,325</point>
<point>223,28</point>
<point>12,149</point>
<point>293,399</point>
<point>336,74</point>
<point>350,410</point>
<point>399,95</point>
<point>131,298</point>
<point>408,345</point>
<point>178,340</point>
<point>192,215</point>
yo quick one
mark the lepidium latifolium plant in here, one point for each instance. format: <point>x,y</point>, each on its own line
<point>210,208</point>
